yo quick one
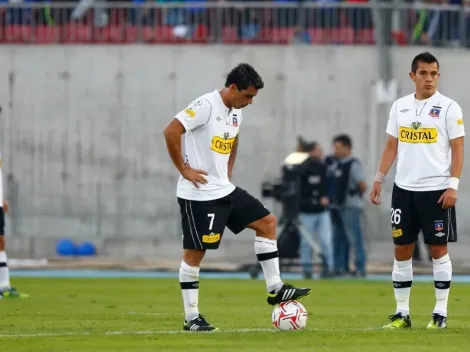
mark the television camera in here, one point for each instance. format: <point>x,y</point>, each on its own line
<point>286,190</point>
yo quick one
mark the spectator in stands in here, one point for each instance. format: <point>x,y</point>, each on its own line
<point>100,14</point>
<point>300,36</point>
<point>142,15</point>
<point>247,21</point>
<point>442,26</point>
<point>17,15</point>
<point>287,17</point>
<point>360,18</point>
<point>326,18</point>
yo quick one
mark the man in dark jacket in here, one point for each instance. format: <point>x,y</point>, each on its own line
<point>314,215</point>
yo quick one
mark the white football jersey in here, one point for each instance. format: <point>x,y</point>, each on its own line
<point>423,129</point>
<point>211,128</point>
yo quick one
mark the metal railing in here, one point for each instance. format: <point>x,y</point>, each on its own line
<point>233,22</point>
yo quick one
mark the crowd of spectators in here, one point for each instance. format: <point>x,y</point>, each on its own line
<point>278,21</point>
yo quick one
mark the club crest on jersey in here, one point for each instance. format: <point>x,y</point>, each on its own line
<point>439,225</point>
<point>235,121</point>
<point>435,111</point>
<point>416,125</point>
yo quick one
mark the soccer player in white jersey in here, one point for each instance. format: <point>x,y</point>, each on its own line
<point>6,291</point>
<point>208,200</point>
<point>426,131</point>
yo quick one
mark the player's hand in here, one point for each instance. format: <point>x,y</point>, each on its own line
<point>375,193</point>
<point>324,201</point>
<point>194,175</point>
<point>5,207</point>
<point>448,198</point>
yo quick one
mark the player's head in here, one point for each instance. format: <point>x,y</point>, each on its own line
<point>425,74</point>
<point>342,146</point>
<point>242,85</point>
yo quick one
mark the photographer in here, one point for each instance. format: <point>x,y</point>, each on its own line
<point>314,216</point>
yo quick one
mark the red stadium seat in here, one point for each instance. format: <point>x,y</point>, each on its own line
<point>365,36</point>
<point>78,33</point>
<point>343,35</point>
<point>399,37</point>
<point>201,34</point>
<point>131,34</point>
<point>282,34</point>
<point>18,34</point>
<point>317,35</point>
<point>266,34</point>
<point>46,34</point>
<point>230,35</point>
<point>111,34</point>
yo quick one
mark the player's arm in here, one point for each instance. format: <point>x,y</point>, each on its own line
<point>456,132</point>
<point>172,133</point>
<point>457,151</point>
<point>389,155</point>
<point>231,159</point>
<point>195,116</point>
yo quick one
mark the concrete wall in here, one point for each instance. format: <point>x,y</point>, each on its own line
<point>81,132</point>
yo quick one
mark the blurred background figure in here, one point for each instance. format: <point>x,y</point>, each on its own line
<point>347,176</point>
<point>314,216</point>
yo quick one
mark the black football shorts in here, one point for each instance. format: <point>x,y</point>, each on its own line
<point>414,211</point>
<point>204,222</point>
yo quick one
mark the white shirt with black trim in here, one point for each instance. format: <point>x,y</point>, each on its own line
<point>423,129</point>
<point>211,128</point>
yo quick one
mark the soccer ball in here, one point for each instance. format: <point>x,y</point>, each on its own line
<point>290,315</point>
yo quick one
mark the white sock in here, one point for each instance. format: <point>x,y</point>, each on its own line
<point>268,257</point>
<point>189,282</point>
<point>4,273</point>
<point>402,276</point>
<point>442,270</point>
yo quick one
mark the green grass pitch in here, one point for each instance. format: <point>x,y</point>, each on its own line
<point>146,315</point>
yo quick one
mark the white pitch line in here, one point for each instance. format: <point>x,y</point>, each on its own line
<point>157,314</point>
<point>172,332</point>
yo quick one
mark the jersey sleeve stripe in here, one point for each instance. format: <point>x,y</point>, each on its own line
<point>448,107</point>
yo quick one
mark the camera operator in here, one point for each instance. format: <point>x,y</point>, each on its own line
<point>314,215</point>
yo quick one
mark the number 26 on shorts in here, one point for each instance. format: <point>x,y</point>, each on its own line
<point>396,216</point>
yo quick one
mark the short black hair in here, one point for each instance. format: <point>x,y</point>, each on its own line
<point>344,139</point>
<point>425,57</point>
<point>244,76</point>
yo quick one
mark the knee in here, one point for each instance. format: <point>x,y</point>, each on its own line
<point>193,257</point>
<point>404,252</point>
<point>438,251</point>
<point>267,227</point>
<point>2,243</point>
<point>271,223</point>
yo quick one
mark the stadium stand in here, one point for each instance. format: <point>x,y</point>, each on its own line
<point>268,22</point>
